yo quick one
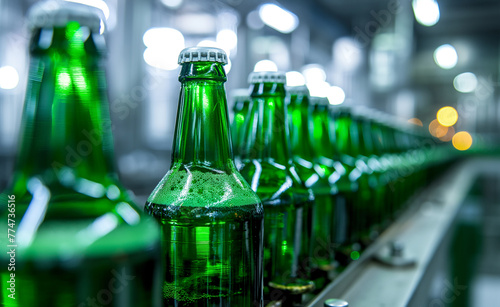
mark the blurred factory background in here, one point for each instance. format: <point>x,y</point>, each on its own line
<point>405,58</point>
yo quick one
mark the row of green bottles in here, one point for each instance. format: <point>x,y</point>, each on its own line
<point>360,168</point>
<point>75,236</point>
<point>390,161</point>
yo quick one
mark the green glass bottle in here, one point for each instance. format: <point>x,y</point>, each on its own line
<point>384,194</point>
<point>211,220</point>
<point>309,170</point>
<point>370,193</point>
<point>331,166</point>
<point>267,166</point>
<point>77,237</point>
<point>241,101</point>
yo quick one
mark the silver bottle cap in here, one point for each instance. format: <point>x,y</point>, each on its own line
<point>58,13</point>
<point>267,77</point>
<point>298,90</point>
<point>202,54</point>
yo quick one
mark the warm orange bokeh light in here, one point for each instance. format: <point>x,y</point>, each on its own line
<point>437,130</point>
<point>449,134</point>
<point>447,116</point>
<point>416,121</point>
<point>462,140</point>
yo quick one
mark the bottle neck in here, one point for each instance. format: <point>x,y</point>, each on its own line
<point>299,114</point>
<point>323,133</point>
<point>66,125</point>
<point>266,130</point>
<point>346,134</point>
<point>202,135</point>
<point>240,114</point>
<point>365,139</point>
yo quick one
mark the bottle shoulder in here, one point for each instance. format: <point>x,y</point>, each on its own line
<point>274,183</point>
<point>77,225</point>
<point>202,186</point>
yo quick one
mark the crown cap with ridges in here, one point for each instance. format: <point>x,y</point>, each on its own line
<point>59,13</point>
<point>240,93</point>
<point>298,90</point>
<point>267,77</point>
<point>202,54</point>
<point>319,101</point>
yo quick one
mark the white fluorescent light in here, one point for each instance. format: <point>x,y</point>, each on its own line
<point>335,95</point>
<point>426,12</point>
<point>465,82</point>
<point>265,65</point>
<point>446,56</point>
<point>9,78</point>
<point>227,39</point>
<point>278,18</point>
<point>295,78</point>
<point>314,73</point>
<point>163,47</point>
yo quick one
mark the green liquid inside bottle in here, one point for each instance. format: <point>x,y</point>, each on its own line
<point>211,220</point>
<point>79,239</point>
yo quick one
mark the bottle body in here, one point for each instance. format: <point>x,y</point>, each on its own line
<point>212,252</point>
<point>211,221</point>
<point>76,228</point>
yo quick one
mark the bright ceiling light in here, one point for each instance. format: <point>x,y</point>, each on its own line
<point>9,78</point>
<point>196,23</point>
<point>347,53</point>
<point>172,3</point>
<point>163,38</point>
<point>295,78</point>
<point>314,73</point>
<point>447,116</point>
<point>163,47</point>
<point>318,89</point>
<point>465,82</point>
<point>227,39</point>
<point>227,67</point>
<point>426,12</point>
<point>278,18</point>
<point>265,65</point>
<point>208,43</point>
<point>95,3</point>
<point>446,56</point>
<point>253,20</point>
<point>335,95</point>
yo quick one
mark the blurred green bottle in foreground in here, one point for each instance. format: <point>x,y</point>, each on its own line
<point>267,166</point>
<point>211,220</point>
<point>75,236</point>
